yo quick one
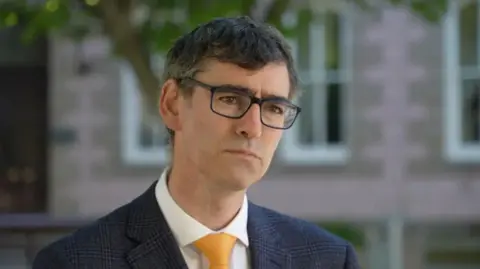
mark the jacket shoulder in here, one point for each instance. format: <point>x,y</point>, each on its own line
<point>99,234</point>
<point>312,246</point>
<point>299,231</point>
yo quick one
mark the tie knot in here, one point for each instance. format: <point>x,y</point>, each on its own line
<point>217,248</point>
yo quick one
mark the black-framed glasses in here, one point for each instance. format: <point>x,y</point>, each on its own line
<point>234,102</point>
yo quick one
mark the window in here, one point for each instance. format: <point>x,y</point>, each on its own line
<point>320,50</point>
<point>462,87</point>
<point>144,138</point>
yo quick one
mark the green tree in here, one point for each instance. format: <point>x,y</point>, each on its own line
<point>138,29</point>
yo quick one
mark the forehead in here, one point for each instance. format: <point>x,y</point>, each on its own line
<point>270,80</point>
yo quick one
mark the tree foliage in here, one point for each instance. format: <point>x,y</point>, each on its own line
<point>138,29</point>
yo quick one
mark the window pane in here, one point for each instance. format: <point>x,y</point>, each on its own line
<point>469,34</point>
<point>332,41</point>
<point>322,115</point>
<point>306,48</point>
<point>470,71</point>
<point>471,111</point>
<point>303,41</point>
<point>319,61</point>
<point>335,110</point>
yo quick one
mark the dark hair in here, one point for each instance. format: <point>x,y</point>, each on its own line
<point>237,40</point>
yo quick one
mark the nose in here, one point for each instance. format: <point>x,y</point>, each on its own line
<point>250,125</point>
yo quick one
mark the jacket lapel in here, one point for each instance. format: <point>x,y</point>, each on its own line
<point>265,241</point>
<point>146,226</point>
<point>156,246</point>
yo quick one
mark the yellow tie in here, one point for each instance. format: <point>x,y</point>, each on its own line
<point>217,248</point>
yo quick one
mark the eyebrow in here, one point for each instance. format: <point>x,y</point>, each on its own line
<point>251,92</point>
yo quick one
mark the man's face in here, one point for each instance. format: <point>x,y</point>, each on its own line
<point>220,147</point>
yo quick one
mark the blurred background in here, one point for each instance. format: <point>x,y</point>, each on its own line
<point>386,152</point>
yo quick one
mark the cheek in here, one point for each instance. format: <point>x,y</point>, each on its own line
<point>207,128</point>
<point>271,141</point>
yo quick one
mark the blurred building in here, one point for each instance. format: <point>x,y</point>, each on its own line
<point>387,144</point>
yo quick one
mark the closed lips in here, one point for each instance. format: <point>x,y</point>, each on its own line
<point>243,152</point>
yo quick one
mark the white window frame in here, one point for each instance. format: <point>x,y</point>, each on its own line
<point>455,150</point>
<point>292,151</point>
<point>131,116</point>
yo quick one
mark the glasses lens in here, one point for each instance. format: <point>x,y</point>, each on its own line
<point>278,114</point>
<point>233,103</point>
<point>230,102</point>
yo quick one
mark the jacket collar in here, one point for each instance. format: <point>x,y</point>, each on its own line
<point>157,247</point>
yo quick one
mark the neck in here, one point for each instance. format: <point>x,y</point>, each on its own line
<point>201,199</point>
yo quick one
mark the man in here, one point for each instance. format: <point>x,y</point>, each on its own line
<point>226,100</point>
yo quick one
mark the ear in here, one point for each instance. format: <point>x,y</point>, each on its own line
<point>169,103</point>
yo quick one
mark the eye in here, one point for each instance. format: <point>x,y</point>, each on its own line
<point>229,99</point>
<point>276,109</point>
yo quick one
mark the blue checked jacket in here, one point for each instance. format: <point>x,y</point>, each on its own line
<point>136,236</point>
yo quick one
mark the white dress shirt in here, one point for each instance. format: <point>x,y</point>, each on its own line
<point>187,230</point>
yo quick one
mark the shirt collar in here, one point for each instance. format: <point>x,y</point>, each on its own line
<point>185,228</point>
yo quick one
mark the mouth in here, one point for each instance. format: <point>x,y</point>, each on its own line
<point>243,153</point>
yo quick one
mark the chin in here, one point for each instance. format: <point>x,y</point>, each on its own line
<point>239,178</point>
<point>240,184</point>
